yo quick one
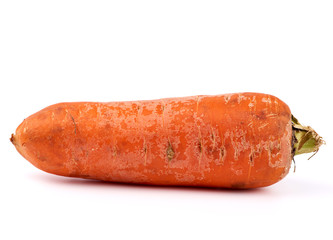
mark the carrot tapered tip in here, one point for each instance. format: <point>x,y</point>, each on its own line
<point>12,139</point>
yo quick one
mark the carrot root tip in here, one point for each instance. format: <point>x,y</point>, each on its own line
<point>12,139</point>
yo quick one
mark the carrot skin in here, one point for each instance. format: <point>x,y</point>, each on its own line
<point>238,140</point>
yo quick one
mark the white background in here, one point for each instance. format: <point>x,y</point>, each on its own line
<point>55,51</point>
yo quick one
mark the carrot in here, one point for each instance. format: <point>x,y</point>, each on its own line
<point>243,140</point>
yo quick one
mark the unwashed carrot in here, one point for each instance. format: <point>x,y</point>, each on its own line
<point>242,140</point>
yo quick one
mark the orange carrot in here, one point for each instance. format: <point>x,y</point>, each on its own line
<point>242,140</point>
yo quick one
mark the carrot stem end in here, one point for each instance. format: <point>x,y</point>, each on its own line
<point>306,140</point>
